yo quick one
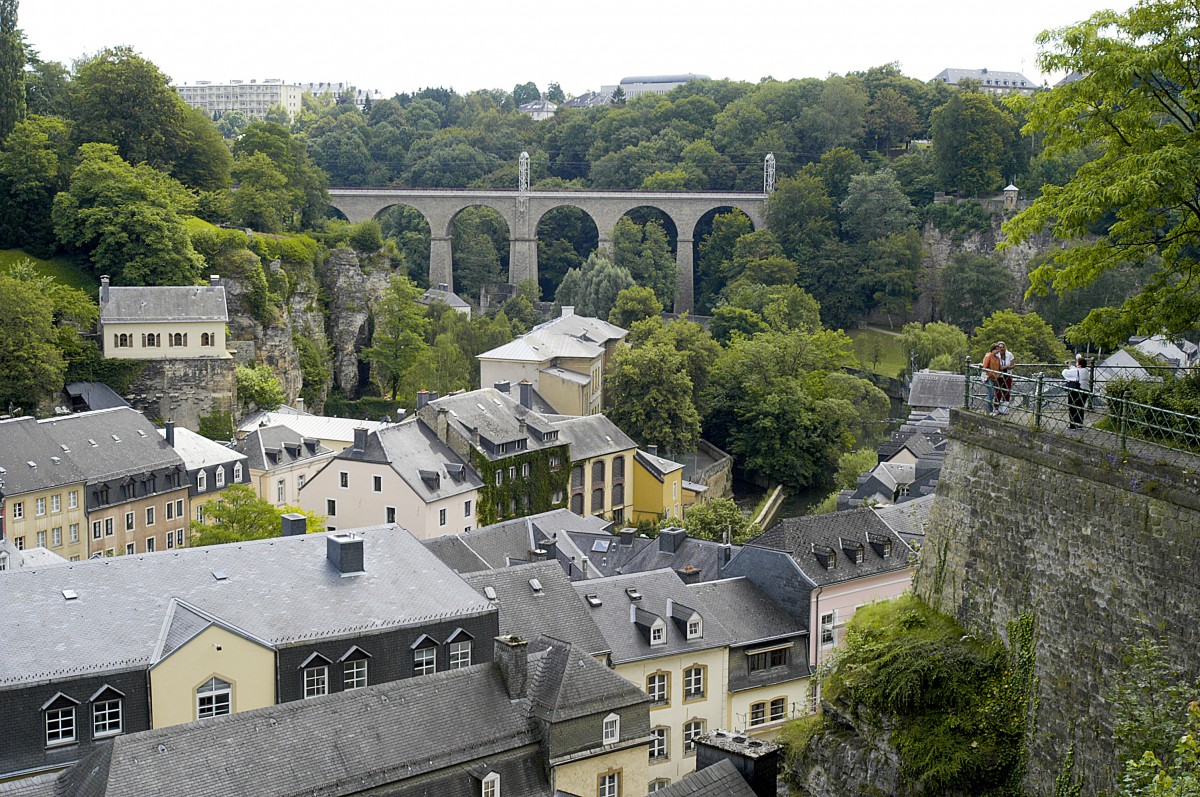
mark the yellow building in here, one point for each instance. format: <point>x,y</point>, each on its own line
<point>601,466</point>
<point>160,323</point>
<point>657,487</point>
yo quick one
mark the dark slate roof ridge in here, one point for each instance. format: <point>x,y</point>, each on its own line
<point>418,447</point>
<point>797,536</point>
<point>746,611</point>
<point>164,303</point>
<point>718,780</point>
<point>140,450</point>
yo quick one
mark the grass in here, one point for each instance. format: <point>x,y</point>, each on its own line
<point>66,270</point>
<point>891,354</point>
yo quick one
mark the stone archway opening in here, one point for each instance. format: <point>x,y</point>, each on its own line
<point>408,229</point>
<point>481,246</point>
<point>566,236</point>
<point>714,236</point>
<point>644,241</point>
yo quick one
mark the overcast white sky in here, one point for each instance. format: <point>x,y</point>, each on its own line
<point>402,45</point>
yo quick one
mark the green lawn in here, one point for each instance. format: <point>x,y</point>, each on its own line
<point>64,269</point>
<point>892,359</point>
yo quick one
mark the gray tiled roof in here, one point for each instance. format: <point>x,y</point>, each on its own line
<point>280,590</point>
<point>96,395</point>
<point>496,416</point>
<point>655,587</point>
<point>573,336</point>
<point>797,536</point>
<point>909,519</point>
<point>412,447</point>
<point>164,304</point>
<point>605,551</point>
<point>24,440</point>
<point>657,466</point>
<point>555,610</point>
<point>321,427</point>
<point>455,554</point>
<point>988,77</point>
<point>720,780</point>
<point>568,683</point>
<point>448,298</point>
<point>690,553</point>
<point>197,451</point>
<point>746,611</point>
<point>271,447</point>
<point>591,436</point>
<point>510,541</point>
<point>936,389</point>
<point>109,444</point>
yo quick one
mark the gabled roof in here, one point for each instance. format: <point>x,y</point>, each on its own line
<point>591,435</point>
<point>28,557</point>
<point>568,683</point>
<point>448,298</point>
<point>510,541</point>
<point>320,427</point>
<point>804,539</point>
<point>745,611</point>
<point>279,590</point>
<point>909,519</point>
<point>691,553</point>
<point>719,780</point>
<point>988,77</point>
<point>197,451</point>
<point>272,447</point>
<point>554,609</point>
<point>612,614</point>
<point>427,465</point>
<point>656,466</point>
<point>455,554</point>
<point>936,389</point>
<point>496,417</point>
<point>163,304</point>
<point>110,444</point>
<point>24,441</point>
<point>571,336</point>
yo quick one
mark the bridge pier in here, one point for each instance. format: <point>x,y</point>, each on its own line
<point>441,262</point>
<point>684,276</point>
<point>522,260</point>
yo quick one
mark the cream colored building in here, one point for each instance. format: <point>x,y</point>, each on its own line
<point>161,323</point>
<point>336,434</point>
<point>564,359</point>
<point>252,98</point>
<point>41,492</point>
<point>281,462</point>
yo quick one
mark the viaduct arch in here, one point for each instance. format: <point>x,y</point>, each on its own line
<point>522,210</point>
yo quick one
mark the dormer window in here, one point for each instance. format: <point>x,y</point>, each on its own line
<point>490,785</point>
<point>201,481</point>
<point>695,627</point>
<point>612,729</point>
<point>658,633</point>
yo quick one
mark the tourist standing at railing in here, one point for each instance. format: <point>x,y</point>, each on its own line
<point>991,376</point>
<point>1004,381</point>
<point>1076,376</point>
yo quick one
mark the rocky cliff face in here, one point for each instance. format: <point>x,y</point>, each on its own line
<point>850,755</point>
<point>351,292</point>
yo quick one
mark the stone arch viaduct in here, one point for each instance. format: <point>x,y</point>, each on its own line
<point>524,210</point>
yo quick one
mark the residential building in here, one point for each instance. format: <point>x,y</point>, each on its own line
<point>601,466</point>
<point>932,390</point>
<point>164,322</point>
<point>518,453</point>
<point>538,110</point>
<point>589,99</point>
<point>252,98</point>
<point>1176,352</point>
<point>211,467</point>
<point>989,81</point>
<point>398,474</point>
<point>657,487</point>
<point>281,461</point>
<point>340,89</point>
<point>14,558</point>
<point>105,648</point>
<point>42,492</point>
<point>821,568</point>
<point>443,295</point>
<point>910,520</point>
<point>529,724</point>
<point>650,84</point>
<point>666,642</point>
<point>768,657</point>
<point>135,494</point>
<point>336,434</point>
<point>692,559</point>
<point>564,359</point>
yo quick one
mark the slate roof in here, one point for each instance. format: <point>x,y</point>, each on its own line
<point>95,395</point>
<point>412,449</point>
<point>719,780</point>
<point>280,590</point>
<point>510,541</point>
<point>29,557</point>
<point>572,336</point>
<point>591,435</point>
<point>623,636</point>
<point>321,427</point>
<point>110,444</point>
<point>690,553</point>
<point>448,298</point>
<point>169,304</point>
<point>555,610</point>
<point>272,447</point>
<point>745,611</point>
<point>197,451</point>
<point>936,389</point>
<point>1120,364</point>
<point>24,440</point>
<point>607,553</point>
<point>569,683</point>
<point>455,554</point>
<point>909,519</point>
<point>497,417</point>
<point>988,77</point>
<point>801,536</point>
<point>588,99</point>
<point>567,375</point>
<point>657,466</point>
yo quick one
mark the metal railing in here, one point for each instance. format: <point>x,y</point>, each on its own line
<point>1042,400</point>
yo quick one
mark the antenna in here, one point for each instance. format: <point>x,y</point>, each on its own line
<point>769,173</point>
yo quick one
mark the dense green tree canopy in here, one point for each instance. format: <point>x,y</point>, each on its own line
<point>31,366</point>
<point>975,144</point>
<point>650,397</point>
<point>398,342</point>
<point>12,69</point>
<point>33,168</point>
<point>719,520</point>
<point>593,288</point>
<point>1026,335</point>
<point>239,515</point>
<point>258,388</point>
<point>973,287</point>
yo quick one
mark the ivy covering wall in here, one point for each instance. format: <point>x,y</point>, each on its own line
<point>540,485</point>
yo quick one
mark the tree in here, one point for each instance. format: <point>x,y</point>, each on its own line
<point>719,520</point>
<point>618,96</point>
<point>634,304</point>
<point>729,322</point>
<point>263,200</point>
<point>47,87</point>
<point>291,158</point>
<point>12,69</point>
<point>876,206</point>
<point>781,307</point>
<point>713,269</point>
<point>975,143</point>
<point>555,94</point>
<point>31,365</point>
<point>891,119</point>
<point>33,168</point>
<point>644,252</point>
<point>399,340</point>
<point>203,161</point>
<point>1135,202</point>
<point>258,388</point>
<point>593,288</point>
<point>1026,335</point>
<point>128,219</point>
<point>240,515</point>
<point>525,92</point>
<point>974,285</point>
<point>923,343</point>
<point>651,398</point>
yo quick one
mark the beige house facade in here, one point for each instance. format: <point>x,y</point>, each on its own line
<point>281,462</point>
<point>162,323</point>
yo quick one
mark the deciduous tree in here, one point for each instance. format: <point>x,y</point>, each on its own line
<point>1026,335</point>
<point>239,515</point>
<point>31,365</point>
<point>719,520</point>
<point>650,394</point>
<point>399,338</point>
<point>258,388</point>
<point>12,69</point>
<point>593,288</point>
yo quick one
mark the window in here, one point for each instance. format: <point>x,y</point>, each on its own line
<point>316,681</point>
<point>73,532</point>
<point>512,472</point>
<point>200,514</point>
<point>658,744</point>
<point>598,500</point>
<point>220,476</point>
<point>466,508</point>
<point>73,499</point>
<point>425,660</point>
<point>499,478</point>
<point>609,785</point>
<point>612,729</point>
<point>765,659</point>
<point>237,473</point>
<point>389,514</point>
<point>692,730</point>
<point>441,517</point>
<point>170,540</point>
<point>577,503</point>
<point>618,494</point>
<point>577,476</point>
<point>281,492</point>
<point>658,633</point>
<point>377,484</point>
<point>355,676</point>
<point>618,468</point>
<point>657,784</point>
<point>179,537</point>
<point>598,471</point>
<point>674,491</point>
<point>149,545</point>
<point>41,539</point>
<point>41,506</point>
<point>693,683</point>
<point>108,527</point>
<point>170,511</point>
<point>18,510</point>
<point>106,716</point>
<point>214,698</point>
<point>56,503</point>
<point>60,722</point>
<point>460,654</point>
<point>331,507</point>
<point>56,536</point>
<point>20,543</point>
<point>525,470</point>
<point>828,636</point>
<point>343,479</point>
<point>490,786</point>
<point>555,462</point>
<point>778,709</point>
<point>129,548</point>
<point>695,628</point>
<point>129,521</point>
<point>758,714</point>
<point>149,516</point>
<point>658,687</point>
<point>300,482</point>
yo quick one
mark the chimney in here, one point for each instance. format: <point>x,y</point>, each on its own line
<point>294,524</point>
<point>669,540</point>
<point>214,280</point>
<point>443,424</point>
<point>652,450</point>
<point>688,575</point>
<point>300,404</point>
<point>568,310</point>
<point>724,554</point>
<point>346,553</point>
<point>755,759</point>
<point>522,426</point>
<point>422,398</point>
<point>627,536</point>
<point>104,289</point>
<point>360,441</point>
<point>585,567</point>
<point>504,386</point>
<point>537,555</point>
<point>526,388</point>
<point>512,655</point>
<point>550,546</point>
<point>169,428</point>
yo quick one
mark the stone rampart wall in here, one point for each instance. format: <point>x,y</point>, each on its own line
<point>184,390</point>
<point>1096,546</point>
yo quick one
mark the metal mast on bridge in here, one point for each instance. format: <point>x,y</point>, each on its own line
<point>523,184</point>
<point>769,173</point>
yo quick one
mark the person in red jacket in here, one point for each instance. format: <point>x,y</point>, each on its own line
<point>991,376</point>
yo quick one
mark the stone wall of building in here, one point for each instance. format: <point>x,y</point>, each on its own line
<point>1098,547</point>
<point>184,391</point>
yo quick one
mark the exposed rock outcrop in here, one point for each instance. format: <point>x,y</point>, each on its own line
<point>352,292</point>
<point>850,755</point>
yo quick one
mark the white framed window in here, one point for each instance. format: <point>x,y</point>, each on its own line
<point>56,503</point>
<point>467,508</point>
<point>692,730</point>
<point>316,681</point>
<point>460,654</point>
<point>129,548</point>
<point>178,537</point>
<point>331,507</point>
<point>658,687</point>
<point>525,469</point>
<point>106,717</point>
<point>281,492</point>
<point>355,675</point>
<point>73,499</point>
<point>695,628</point>
<point>41,539</point>
<point>150,544</point>
<point>659,747</point>
<point>658,784</point>
<point>828,629</point>
<point>612,729</point>
<point>490,786</point>
<point>56,536</point>
<point>693,683</point>
<point>499,478</point>
<point>441,517</point>
<point>377,484</point>
<point>179,509</point>
<point>170,511</point>
<point>73,532</point>
<point>389,514</point>
<point>214,698</point>
<point>658,633</point>
<point>609,785</point>
<point>300,482</point>
<point>18,510</point>
<point>20,543</point>
<point>237,471</point>
<point>425,661</point>
<point>344,479</point>
<point>149,516</point>
<point>40,506</point>
<point>60,724</point>
<point>220,472</point>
